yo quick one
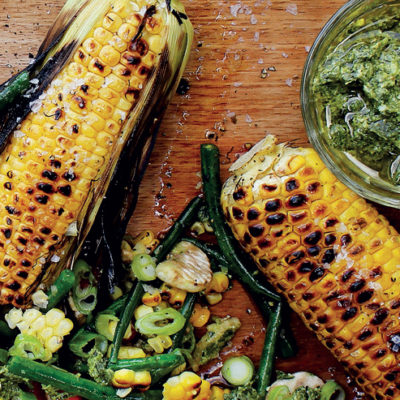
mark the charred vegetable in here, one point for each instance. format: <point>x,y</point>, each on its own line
<point>327,250</point>
<point>109,67</point>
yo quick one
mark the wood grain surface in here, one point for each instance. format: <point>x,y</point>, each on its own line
<point>230,102</point>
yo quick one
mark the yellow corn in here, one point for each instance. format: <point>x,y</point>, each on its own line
<point>142,310</point>
<point>219,283</point>
<point>126,378</point>
<point>128,352</point>
<point>152,299</point>
<point>185,386</point>
<point>200,316</point>
<point>117,293</point>
<point>205,391</point>
<point>160,343</point>
<point>218,393</point>
<point>174,296</point>
<point>50,163</point>
<point>328,251</point>
<point>49,328</point>
<point>213,298</point>
<point>146,238</point>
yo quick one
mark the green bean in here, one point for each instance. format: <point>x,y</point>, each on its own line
<point>287,346</point>
<point>59,289</point>
<point>186,311</point>
<point>132,302</point>
<point>264,373</point>
<point>212,189</point>
<point>26,396</point>
<point>150,363</point>
<point>209,250</point>
<point>183,222</point>
<point>15,87</point>
<point>84,341</point>
<point>70,383</point>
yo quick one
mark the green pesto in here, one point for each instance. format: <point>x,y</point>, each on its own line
<point>243,393</point>
<point>98,370</point>
<point>357,90</point>
<point>217,336</point>
<point>306,393</point>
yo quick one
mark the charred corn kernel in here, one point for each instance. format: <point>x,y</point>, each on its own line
<point>213,298</point>
<point>126,32</point>
<point>219,283</point>
<point>174,296</point>
<point>117,293</point>
<point>185,386</point>
<point>198,228</point>
<point>91,47</point>
<point>146,237</point>
<point>152,299</point>
<point>339,275</point>
<point>200,316</point>
<point>142,310</point>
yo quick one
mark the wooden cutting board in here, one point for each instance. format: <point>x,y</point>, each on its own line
<point>230,102</point>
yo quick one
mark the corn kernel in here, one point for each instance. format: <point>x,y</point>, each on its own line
<point>91,46</point>
<point>123,378</point>
<point>54,317</point>
<point>214,298</point>
<point>152,299</point>
<point>112,22</point>
<point>13,317</point>
<point>200,316</point>
<point>156,344</point>
<point>64,327</point>
<point>109,55</point>
<point>219,283</point>
<point>53,343</point>
<point>103,36</point>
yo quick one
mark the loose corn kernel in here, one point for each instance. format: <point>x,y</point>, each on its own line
<point>112,326</point>
<point>127,252</point>
<point>219,283</point>
<point>123,378</point>
<point>185,386</point>
<point>129,352</point>
<point>174,296</point>
<point>152,299</point>
<point>217,393</point>
<point>200,316</point>
<point>142,380</point>
<point>142,310</point>
<point>156,344</point>
<point>213,298</point>
<point>117,293</point>
<point>13,317</point>
<point>162,306</point>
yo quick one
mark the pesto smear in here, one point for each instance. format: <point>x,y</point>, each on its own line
<point>357,89</point>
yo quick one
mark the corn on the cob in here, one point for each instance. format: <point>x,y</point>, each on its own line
<point>57,165</point>
<point>49,328</point>
<point>328,251</point>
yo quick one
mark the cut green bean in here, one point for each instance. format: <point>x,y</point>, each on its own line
<point>84,293</point>
<point>263,378</point>
<point>212,190</point>
<point>186,311</point>
<point>60,288</point>
<point>150,363</point>
<point>132,302</point>
<point>14,88</point>
<point>183,222</point>
<point>71,383</point>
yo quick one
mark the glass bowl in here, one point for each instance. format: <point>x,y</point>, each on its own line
<point>363,180</point>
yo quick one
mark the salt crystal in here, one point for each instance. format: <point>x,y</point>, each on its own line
<point>248,118</point>
<point>292,9</point>
<point>260,61</point>
<point>35,105</point>
<point>19,134</point>
<point>285,55</point>
<point>237,84</point>
<point>253,19</point>
<point>256,36</point>
<point>289,82</point>
<point>308,48</point>
<point>235,9</point>
<point>34,81</point>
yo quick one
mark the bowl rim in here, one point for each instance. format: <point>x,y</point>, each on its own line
<point>390,198</point>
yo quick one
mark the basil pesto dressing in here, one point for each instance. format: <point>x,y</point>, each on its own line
<point>357,92</point>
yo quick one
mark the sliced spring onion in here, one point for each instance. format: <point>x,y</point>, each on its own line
<point>144,267</point>
<point>278,393</point>
<point>28,347</point>
<point>103,325</point>
<point>332,391</point>
<point>84,293</point>
<point>238,371</point>
<point>163,322</point>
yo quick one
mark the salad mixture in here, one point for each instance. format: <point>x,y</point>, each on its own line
<point>157,331</point>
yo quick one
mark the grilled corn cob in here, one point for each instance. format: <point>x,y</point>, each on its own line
<point>116,59</point>
<point>330,253</point>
